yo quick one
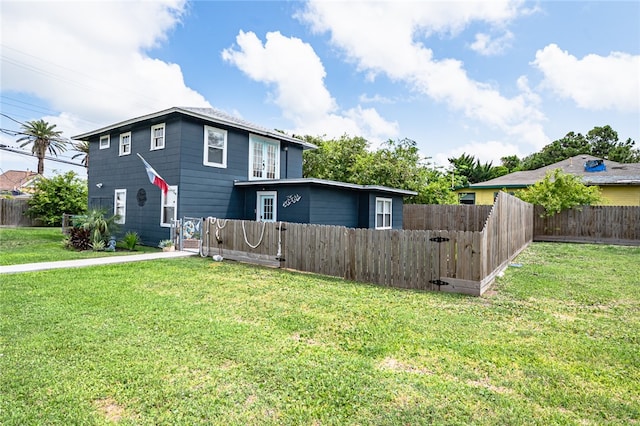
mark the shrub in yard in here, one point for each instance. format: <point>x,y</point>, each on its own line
<point>130,240</point>
<point>79,239</point>
<point>57,195</point>
<point>100,227</point>
<point>98,245</point>
<point>560,191</point>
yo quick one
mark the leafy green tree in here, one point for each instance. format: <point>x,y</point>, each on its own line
<point>512,163</point>
<point>600,142</point>
<point>560,191</point>
<point>58,195</point>
<point>396,164</point>
<point>334,159</point>
<point>568,146</point>
<point>43,137</point>
<point>471,170</point>
<point>604,143</point>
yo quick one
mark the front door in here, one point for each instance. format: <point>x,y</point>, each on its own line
<point>266,211</point>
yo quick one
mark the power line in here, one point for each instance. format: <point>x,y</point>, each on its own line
<point>18,151</point>
<point>96,83</point>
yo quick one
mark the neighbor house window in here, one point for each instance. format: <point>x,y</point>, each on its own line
<point>120,205</point>
<point>264,158</point>
<point>215,147</point>
<point>105,142</point>
<point>169,206</point>
<point>383,213</point>
<point>157,137</point>
<point>125,143</point>
<point>467,197</point>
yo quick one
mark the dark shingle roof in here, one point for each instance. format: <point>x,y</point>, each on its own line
<point>209,114</point>
<point>615,174</point>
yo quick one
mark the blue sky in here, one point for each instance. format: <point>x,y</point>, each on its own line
<point>485,78</point>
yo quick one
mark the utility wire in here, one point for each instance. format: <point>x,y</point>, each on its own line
<point>18,151</point>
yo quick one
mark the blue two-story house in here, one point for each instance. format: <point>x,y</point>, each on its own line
<point>220,166</point>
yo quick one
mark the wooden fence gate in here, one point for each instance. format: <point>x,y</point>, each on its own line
<point>394,258</point>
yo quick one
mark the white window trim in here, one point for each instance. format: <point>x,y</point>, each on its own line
<point>259,207</point>
<point>121,145</point>
<point>164,136</point>
<point>123,217</point>
<point>205,155</point>
<point>252,140</point>
<point>107,144</point>
<point>385,201</point>
<point>174,189</point>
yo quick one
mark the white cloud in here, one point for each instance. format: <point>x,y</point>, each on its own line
<point>364,98</point>
<point>297,76</point>
<point>88,59</point>
<point>594,82</point>
<point>400,53</point>
<point>487,45</point>
<point>491,151</point>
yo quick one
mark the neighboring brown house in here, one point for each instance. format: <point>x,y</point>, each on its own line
<point>17,182</point>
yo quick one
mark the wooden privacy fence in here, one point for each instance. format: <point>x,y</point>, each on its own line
<point>450,217</point>
<point>442,260</point>
<point>12,213</point>
<point>591,224</point>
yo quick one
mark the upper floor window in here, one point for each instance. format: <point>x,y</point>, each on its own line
<point>120,205</point>
<point>105,141</point>
<point>125,143</point>
<point>157,136</point>
<point>264,158</point>
<point>383,213</point>
<point>215,147</point>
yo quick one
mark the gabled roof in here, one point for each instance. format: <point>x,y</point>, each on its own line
<point>211,115</point>
<point>16,179</point>
<point>324,182</point>
<point>615,174</point>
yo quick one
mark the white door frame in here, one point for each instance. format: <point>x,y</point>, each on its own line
<point>261,196</point>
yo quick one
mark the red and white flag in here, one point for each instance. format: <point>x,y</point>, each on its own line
<point>154,177</point>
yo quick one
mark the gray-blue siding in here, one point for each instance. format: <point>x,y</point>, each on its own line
<point>324,205</point>
<point>202,190</point>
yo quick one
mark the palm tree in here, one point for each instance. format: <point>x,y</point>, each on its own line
<point>44,138</point>
<point>83,151</point>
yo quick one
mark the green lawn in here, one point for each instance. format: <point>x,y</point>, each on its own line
<point>191,341</point>
<point>28,245</point>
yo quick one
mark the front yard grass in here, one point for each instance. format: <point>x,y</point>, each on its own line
<point>30,245</point>
<point>190,341</point>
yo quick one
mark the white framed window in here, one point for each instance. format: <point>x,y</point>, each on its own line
<point>264,158</point>
<point>383,213</point>
<point>105,141</point>
<point>125,143</point>
<point>215,147</point>
<point>120,205</point>
<point>157,137</point>
<point>169,206</point>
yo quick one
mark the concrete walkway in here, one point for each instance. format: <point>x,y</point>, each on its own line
<point>78,263</point>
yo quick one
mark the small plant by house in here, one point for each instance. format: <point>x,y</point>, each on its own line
<point>130,240</point>
<point>166,245</point>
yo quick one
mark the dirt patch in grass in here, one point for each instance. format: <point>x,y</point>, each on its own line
<point>110,409</point>
<point>393,364</point>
